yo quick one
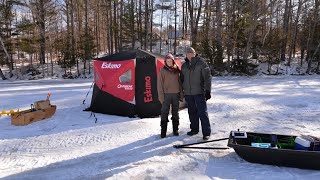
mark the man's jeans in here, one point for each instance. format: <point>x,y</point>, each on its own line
<point>197,108</point>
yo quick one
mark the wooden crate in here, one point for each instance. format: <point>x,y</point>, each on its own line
<point>42,104</point>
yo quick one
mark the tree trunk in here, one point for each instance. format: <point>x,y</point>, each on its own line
<point>51,61</point>
<point>302,56</point>
<point>311,35</point>
<point>251,30</point>
<point>7,25</point>
<point>286,30</point>
<point>86,38</point>
<point>229,6</point>
<point>68,37</point>
<point>6,52</point>
<point>194,20</point>
<point>294,39</point>
<point>120,25</point>
<point>183,17</point>
<point>175,28</point>
<point>115,25</point>
<point>151,25</point>
<point>219,57</point>
<point>146,21</point>
<point>73,58</point>
<point>186,19</point>
<point>97,28</point>
<point>132,25</point>
<point>111,27</point>
<point>207,9</point>
<point>42,29</point>
<point>1,75</point>
<point>108,26</point>
<point>140,24</point>
<point>161,19</point>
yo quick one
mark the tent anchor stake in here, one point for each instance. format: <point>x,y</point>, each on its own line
<point>94,117</point>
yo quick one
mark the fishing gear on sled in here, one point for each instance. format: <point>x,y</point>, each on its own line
<point>302,151</point>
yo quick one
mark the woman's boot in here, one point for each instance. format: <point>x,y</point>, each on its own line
<point>164,125</point>
<point>175,127</point>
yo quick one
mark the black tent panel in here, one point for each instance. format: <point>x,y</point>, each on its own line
<point>105,103</point>
<point>147,103</point>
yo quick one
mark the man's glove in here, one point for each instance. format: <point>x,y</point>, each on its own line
<point>208,95</point>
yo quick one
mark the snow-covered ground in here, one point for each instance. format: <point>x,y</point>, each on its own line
<point>70,145</point>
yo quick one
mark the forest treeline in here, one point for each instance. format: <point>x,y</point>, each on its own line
<point>227,33</point>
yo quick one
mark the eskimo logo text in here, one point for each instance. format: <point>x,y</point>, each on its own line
<point>106,65</point>
<point>147,93</point>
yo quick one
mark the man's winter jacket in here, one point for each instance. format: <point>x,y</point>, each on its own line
<point>195,77</point>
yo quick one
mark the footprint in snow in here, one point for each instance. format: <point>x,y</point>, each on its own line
<point>302,126</point>
<point>222,131</point>
<point>226,116</point>
<point>150,171</point>
<point>190,167</point>
<point>297,105</point>
<point>243,127</point>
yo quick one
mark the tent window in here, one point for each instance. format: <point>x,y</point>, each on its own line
<point>126,77</point>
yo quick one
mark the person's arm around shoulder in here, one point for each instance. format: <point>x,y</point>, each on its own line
<point>160,86</point>
<point>181,74</point>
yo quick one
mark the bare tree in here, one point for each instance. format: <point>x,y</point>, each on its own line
<point>295,32</point>
<point>194,19</point>
<point>253,24</point>
<point>5,50</point>
<point>132,24</point>
<point>285,29</point>
<point>219,57</point>
<point>1,75</point>
<point>6,22</point>
<point>146,22</point>
<point>38,9</point>
<point>311,50</point>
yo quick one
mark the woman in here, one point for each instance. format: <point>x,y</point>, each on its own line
<point>170,93</point>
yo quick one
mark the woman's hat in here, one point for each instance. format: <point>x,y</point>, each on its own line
<point>169,56</point>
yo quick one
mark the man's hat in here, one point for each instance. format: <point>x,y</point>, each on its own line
<point>190,50</point>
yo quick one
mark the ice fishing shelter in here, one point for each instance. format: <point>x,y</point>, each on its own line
<point>125,84</point>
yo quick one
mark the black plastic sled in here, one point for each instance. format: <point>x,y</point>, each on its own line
<point>274,149</point>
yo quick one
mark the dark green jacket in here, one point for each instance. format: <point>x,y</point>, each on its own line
<point>195,76</point>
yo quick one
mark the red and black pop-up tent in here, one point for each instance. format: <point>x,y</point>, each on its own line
<point>125,84</point>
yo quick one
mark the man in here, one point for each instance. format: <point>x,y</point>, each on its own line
<point>196,82</point>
